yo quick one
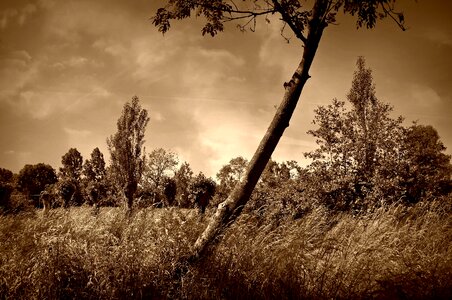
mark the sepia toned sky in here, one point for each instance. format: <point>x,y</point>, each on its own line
<point>68,67</point>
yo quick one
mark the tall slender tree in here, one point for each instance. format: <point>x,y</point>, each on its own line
<point>183,177</point>
<point>307,20</point>
<point>127,152</point>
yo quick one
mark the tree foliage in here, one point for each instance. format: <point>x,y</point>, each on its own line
<point>70,184</point>
<point>126,148</point>
<point>33,179</point>
<point>95,173</point>
<point>160,165</point>
<point>294,14</point>
<point>183,178</point>
<point>72,163</point>
<point>230,174</point>
<point>94,168</point>
<point>358,148</point>
<point>202,190</point>
<point>427,170</point>
<point>6,186</point>
<point>365,156</point>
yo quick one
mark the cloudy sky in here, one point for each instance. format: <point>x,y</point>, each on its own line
<point>68,67</point>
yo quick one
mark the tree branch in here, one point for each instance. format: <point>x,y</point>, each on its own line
<point>389,11</point>
<point>286,18</point>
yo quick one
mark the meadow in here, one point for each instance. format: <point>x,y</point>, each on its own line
<point>392,252</point>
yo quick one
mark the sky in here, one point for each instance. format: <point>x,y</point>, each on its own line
<point>68,67</point>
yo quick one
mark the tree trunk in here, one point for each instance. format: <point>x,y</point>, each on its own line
<point>229,209</point>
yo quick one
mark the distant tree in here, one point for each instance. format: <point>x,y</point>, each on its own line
<point>202,190</point>
<point>6,187</point>
<point>307,21</point>
<point>427,169</point>
<point>275,174</point>
<point>95,175</point>
<point>183,178</point>
<point>6,175</point>
<point>170,191</point>
<point>33,179</point>
<point>72,163</point>
<point>230,174</point>
<point>70,178</point>
<point>126,149</point>
<point>160,165</point>
<point>279,191</point>
<point>358,148</point>
<point>94,168</point>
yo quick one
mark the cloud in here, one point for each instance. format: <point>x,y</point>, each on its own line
<point>225,133</point>
<point>17,16</point>
<point>26,12</point>
<point>425,96</point>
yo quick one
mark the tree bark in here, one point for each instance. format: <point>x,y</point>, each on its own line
<point>228,210</point>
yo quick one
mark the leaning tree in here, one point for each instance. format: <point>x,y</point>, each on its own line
<point>307,20</point>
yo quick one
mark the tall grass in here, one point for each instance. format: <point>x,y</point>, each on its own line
<point>394,252</point>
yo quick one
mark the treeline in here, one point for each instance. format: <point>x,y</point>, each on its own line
<point>365,158</point>
<point>92,182</point>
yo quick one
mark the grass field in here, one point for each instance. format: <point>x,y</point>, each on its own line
<point>392,253</point>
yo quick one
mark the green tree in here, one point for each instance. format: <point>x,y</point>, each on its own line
<point>126,149</point>
<point>358,148</point>
<point>183,178</point>
<point>427,169</point>
<point>307,21</point>
<point>33,179</point>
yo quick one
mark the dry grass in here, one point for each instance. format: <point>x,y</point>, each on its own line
<point>394,252</point>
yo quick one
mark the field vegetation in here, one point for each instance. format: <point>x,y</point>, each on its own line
<point>393,252</point>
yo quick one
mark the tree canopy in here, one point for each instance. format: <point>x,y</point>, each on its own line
<point>294,14</point>
<point>33,179</point>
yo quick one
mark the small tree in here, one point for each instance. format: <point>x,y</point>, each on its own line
<point>126,149</point>
<point>159,166</point>
<point>170,191</point>
<point>230,174</point>
<point>183,178</point>
<point>202,190</point>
